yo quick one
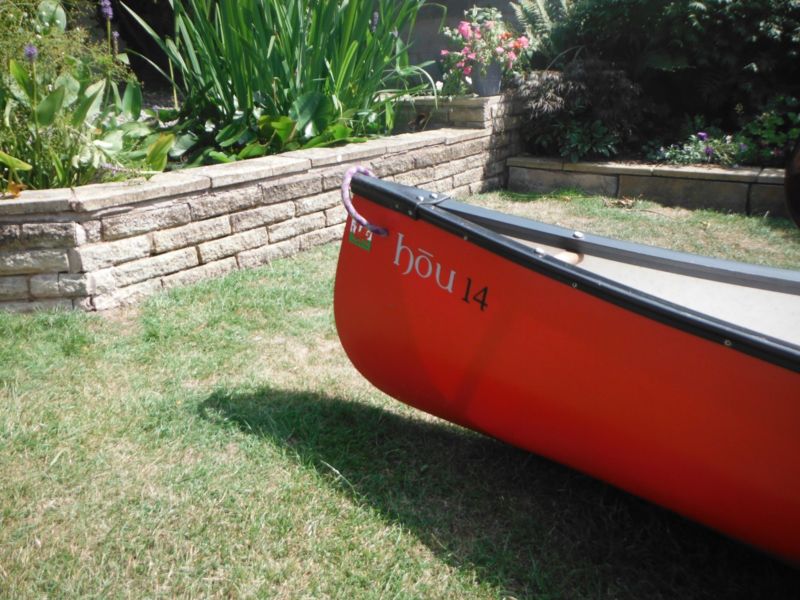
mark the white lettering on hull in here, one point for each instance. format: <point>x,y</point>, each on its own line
<point>423,264</point>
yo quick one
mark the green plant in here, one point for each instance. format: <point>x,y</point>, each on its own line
<point>589,110</point>
<point>704,57</point>
<point>260,76</point>
<point>582,139</point>
<point>453,82</point>
<point>742,52</point>
<point>710,147</point>
<point>10,180</point>
<point>765,140</point>
<point>770,136</point>
<point>64,119</point>
<point>636,35</point>
<point>538,19</point>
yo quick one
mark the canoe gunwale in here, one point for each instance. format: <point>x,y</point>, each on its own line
<point>448,215</point>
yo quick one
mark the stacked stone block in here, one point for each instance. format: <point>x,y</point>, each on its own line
<point>749,190</point>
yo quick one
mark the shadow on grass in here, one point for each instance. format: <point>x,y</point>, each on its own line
<point>524,524</point>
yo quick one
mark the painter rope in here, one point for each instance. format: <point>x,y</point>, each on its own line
<point>347,199</point>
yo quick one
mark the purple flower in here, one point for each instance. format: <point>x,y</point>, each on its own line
<point>709,151</point>
<point>30,52</point>
<point>106,10</point>
<point>702,135</point>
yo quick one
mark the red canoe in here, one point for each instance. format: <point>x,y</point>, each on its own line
<point>685,392</point>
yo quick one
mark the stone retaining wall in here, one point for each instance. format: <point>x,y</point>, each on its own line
<point>100,246</point>
<point>748,190</point>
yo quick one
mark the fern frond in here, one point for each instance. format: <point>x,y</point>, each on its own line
<point>533,16</point>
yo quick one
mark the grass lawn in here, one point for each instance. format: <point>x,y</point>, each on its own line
<point>215,442</point>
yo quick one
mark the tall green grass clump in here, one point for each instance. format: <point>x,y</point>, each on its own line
<point>263,76</point>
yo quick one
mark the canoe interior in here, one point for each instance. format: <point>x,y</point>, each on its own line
<point>767,312</point>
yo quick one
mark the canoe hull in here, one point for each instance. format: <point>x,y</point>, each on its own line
<point>448,327</point>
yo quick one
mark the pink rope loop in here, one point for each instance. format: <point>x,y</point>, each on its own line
<point>347,200</point>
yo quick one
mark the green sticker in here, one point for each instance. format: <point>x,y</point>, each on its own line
<point>360,236</point>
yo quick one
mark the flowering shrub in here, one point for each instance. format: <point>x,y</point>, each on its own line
<point>710,147</point>
<point>479,41</point>
<point>766,140</point>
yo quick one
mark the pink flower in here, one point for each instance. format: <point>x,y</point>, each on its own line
<point>489,24</point>
<point>476,32</point>
<point>523,41</point>
<point>499,50</point>
<point>467,70</point>
<point>445,52</point>
<point>465,30</point>
<point>511,56</point>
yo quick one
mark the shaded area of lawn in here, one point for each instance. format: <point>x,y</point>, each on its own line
<point>526,525</point>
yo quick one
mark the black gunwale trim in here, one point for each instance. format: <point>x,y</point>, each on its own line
<point>417,204</point>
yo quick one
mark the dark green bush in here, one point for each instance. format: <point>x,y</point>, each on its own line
<point>722,59</point>
<point>589,110</point>
<point>768,139</point>
<point>745,52</point>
